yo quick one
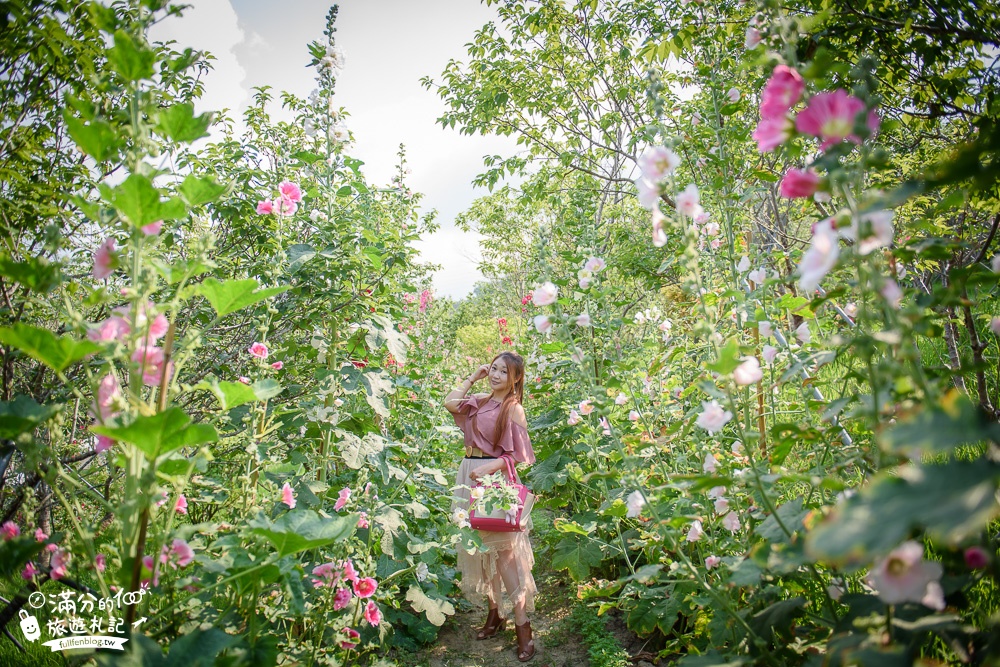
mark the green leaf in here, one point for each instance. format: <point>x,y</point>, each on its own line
<point>22,415</point>
<point>436,609</point>
<point>356,451</point>
<point>951,501</point>
<point>233,394</point>
<point>577,555</point>
<point>181,270</point>
<point>306,156</point>
<point>774,622</point>
<point>377,386</point>
<point>199,648</point>
<point>299,254</point>
<point>940,429</point>
<point>56,352</point>
<point>130,59</point>
<point>179,123</point>
<point>197,191</point>
<point>299,530</point>
<point>729,358</point>
<point>139,202</point>
<point>161,433</point>
<point>140,651</point>
<point>382,331</point>
<point>657,609</point>
<point>16,552</point>
<point>232,295</point>
<point>549,473</point>
<point>791,515</point>
<point>96,138</point>
<point>37,273</point>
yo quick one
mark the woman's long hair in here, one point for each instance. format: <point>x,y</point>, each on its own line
<point>515,376</point>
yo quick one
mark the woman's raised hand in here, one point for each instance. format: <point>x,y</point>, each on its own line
<point>480,373</point>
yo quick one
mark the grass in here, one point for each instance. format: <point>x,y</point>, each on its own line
<point>603,649</point>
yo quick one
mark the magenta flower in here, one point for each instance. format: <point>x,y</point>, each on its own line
<point>244,379</point>
<point>58,564</point>
<point>181,506</point>
<point>278,365</point>
<point>258,350</point>
<point>40,535</point>
<point>783,91</point>
<point>285,206</point>
<point>104,443</point>
<point>290,191</point>
<point>772,132</point>
<point>345,494</point>
<point>976,558</point>
<point>350,574</point>
<point>109,393</point>
<point>799,183</point>
<point>9,530</point>
<point>372,613</point>
<point>711,562</point>
<point>365,588</point>
<point>327,573</point>
<point>100,563</point>
<point>182,552</point>
<point>904,576</point>
<point>29,572</point>
<point>363,520</point>
<point>288,496</point>
<point>153,228</point>
<point>341,598</point>
<point>151,360</point>
<point>352,637</point>
<point>831,116</point>
<point>104,259</point>
<point>265,207</point>
<point>112,329</point>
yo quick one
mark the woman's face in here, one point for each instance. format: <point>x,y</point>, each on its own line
<point>499,382</point>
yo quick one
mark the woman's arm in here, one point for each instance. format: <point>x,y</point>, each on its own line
<point>451,400</point>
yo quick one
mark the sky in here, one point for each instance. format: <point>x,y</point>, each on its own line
<point>390,45</point>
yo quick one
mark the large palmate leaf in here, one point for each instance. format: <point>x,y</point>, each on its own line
<point>56,352</point>
<point>356,451</point>
<point>233,394</point>
<point>232,295</point>
<point>437,610</point>
<point>21,415</point>
<point>161,433</point>
<point>299,530</point>
<point>139,201</point>
<point>658,608</point>
<point>377,385</point>
<point>381,331</point>
<point>957,421</point>
<point>577,555</point>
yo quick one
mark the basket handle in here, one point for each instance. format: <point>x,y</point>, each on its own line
<point>511,471</point>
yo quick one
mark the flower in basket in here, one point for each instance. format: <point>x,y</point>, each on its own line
<point>497,493</point>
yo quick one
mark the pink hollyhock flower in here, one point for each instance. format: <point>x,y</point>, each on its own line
<point>278,365</point>
<point>153,228</point>
<point>285,207</point>
<point>820,258</point>
<point>574,418</point>
<point>104,443</point>
<point>605,426</point>
<point>583,320</point>
<point>258,350</point>
<point>147,572</point>
<point>712,562</point>
<point>151,360</point>
<point>831,116</point>
<point>721,505</point>
<point>752,38</point>
<point>154,328</point>
<point>182,552</point>
<point>51,547</point>
<point>104,259</point>
<point>634,502</point>
<point>327,573</point>
<point>58,564</point>
<point>659,233</point>
<point>542,323</point>
<point>744,264</point>
<point>244,379</point>
<point>372,613</point>
<point>621,398</point>
<point>748,372</point>
<point>290,191</point>
<point>341,598</point>
<point>265,207</point>
<point>688,201</point>
<point>772,132</point>
<point>695,532</point>
<point>181,505</point>
<point>365,588</point>
<point>734,95</point>
<point>892,293</point>
<point>765,328</point>
<point>350,574</point>
<point>904,576</point>
<point>757,277</point>
<point>710,463</point>
<point>712,417</point>
<point>769,353</point>
<point>715,244</point>
<point>633,415</point>
<point>995,326</point>
<point>586,407</point>
<point>40,535</point>
<point>112,329</point>
<point>657,163</point>
<point>352,637</point>
<point>799,183</point>
<point>649,194</point>
<point>109,393</point>
<point>783,91</point>
<point>9,530</point>
<point>363,520</point>
<point>29,572</point>
<point>545,295</point>
<point>731,522</point>
<point>803,334</point>
<point>711,229</point>
<point>717,492</point>
<point>976,558</point>
<point>871,231</point>
<point>345,494</point>
<point>100,563</point>
<point>288,496</point>
<point>595,264</point>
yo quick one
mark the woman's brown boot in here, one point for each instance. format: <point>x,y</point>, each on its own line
<point>494,624</point>
<point>525,644</point>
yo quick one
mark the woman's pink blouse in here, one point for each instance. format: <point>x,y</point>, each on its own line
<point>478,418</point>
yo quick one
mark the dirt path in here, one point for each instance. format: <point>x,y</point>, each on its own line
<point>557,643</point>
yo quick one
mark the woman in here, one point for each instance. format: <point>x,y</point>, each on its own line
<point>495,427</point>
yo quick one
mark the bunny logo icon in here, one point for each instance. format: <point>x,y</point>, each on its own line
<point>29,626</point>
